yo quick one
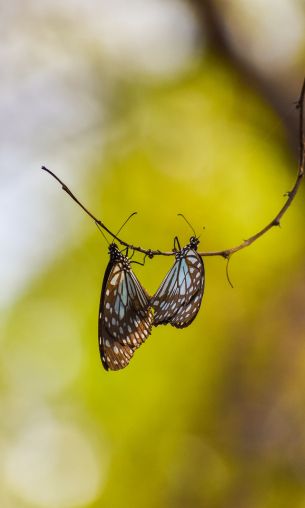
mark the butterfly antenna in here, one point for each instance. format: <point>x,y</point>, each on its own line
<point>177,246</point>
<point>131,215</point>
<point>98,223</point>
<point>183,217</point>
<point>203,227</point>
<point>101,231</point>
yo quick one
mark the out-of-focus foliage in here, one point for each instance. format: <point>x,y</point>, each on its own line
<point>210,416</point>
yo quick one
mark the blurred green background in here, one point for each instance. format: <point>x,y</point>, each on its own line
<point>162,107</point>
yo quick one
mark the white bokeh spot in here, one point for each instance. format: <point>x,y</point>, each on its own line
<point>269,33</point>
<point>54,464</point>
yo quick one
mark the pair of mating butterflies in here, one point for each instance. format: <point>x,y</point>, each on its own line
<point>127,312</point>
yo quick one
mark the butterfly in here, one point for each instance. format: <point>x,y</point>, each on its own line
<point>125,315</point>
<point>179,297</point>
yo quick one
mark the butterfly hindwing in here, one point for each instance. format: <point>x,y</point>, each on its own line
<point>125,316</point>
<point>178,299</point>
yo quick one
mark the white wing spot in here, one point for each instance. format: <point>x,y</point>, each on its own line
<point>114,279</point>
<point>116,350</point>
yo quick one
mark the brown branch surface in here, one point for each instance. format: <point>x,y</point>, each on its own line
<point>226,253</point>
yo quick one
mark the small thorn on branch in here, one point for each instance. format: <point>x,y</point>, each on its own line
<point>276,222</point>
<point>287,194</point>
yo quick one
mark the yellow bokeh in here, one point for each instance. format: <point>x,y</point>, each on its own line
<point>210,416</point>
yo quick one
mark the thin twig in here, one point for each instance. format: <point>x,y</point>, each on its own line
<point>226,253</point>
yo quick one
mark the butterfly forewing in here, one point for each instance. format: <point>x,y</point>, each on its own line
<point>178,299</point>
<point>125,316</point>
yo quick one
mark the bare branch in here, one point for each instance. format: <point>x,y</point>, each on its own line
<point>290,195</point>
<point>148,252</point>
<point>226,253</point>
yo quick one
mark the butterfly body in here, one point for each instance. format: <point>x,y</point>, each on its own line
<point>125,316</point>
<point>178,299</point>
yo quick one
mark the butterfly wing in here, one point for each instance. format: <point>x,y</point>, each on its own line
<point>125,316</point>
<point>193,284</point>
<point>179,297</point>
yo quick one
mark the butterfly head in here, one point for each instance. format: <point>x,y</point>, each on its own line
<point>117,256</point>
<point>192,245</point>
<point>194,242</point>
<point>114,252</point>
